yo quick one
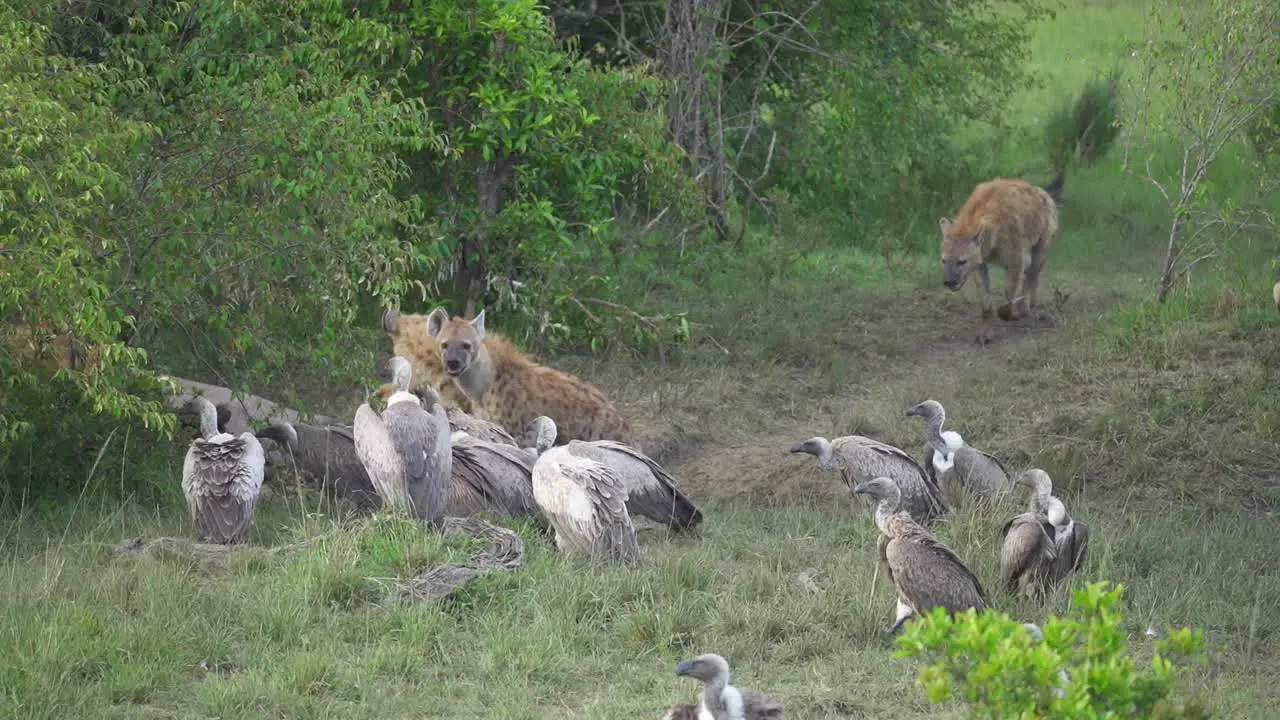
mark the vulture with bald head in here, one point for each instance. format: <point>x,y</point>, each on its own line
<point>221,478</point>
<point>861,459</point>
<point>925,572</point>
<point>720,699</point>
<point>958,468</point>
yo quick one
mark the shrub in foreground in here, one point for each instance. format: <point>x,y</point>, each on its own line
<point>1080,667</point>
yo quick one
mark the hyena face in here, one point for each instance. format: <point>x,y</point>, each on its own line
<point>960,256</point>
<point>459,339</point>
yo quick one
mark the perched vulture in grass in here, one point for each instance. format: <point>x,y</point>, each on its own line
<point>925,572</point>
<point>860,459</point>
<point>586,504</point>
<point>958,468</point>
<point>406,450</point>
<point>722,701</point>
<point>221,479</point>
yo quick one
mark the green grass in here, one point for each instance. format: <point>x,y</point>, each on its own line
<point>1157,422</point>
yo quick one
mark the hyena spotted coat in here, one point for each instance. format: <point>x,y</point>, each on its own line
<point>507,387</point>
<point>1006,222</point>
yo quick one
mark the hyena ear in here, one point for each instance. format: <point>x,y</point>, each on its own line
<point>944,224</point>
<point>391,322</point>
<point>436,321</point>
<point>478,324</point>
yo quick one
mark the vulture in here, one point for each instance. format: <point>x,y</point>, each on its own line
<point>1071,539</point>
<point>860,459</point>
<point>325,457</point>
<point>650,489</point>
<point>925,572</point>
<point>1064,678</point>
<point>406,450</point>
<point>956,466</point>
<point>721,700</point>
<point>221,478</point>
<point>586,504</point>
<point>1027,552</point>
<point>1275,294</point>
<point>491,476</point>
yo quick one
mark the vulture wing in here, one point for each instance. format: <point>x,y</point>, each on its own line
<point>651,490</point>
<point>1027,537</point>
<point>586,503</point>
<point>381,459</point>
<point>928,574</point>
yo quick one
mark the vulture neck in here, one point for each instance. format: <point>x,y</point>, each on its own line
<point>885,510</point>
<point>713,695</point>
<point>208,421</point>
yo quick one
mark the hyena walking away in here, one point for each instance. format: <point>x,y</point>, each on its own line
<point>1006,222</point>
<point>507,387</point>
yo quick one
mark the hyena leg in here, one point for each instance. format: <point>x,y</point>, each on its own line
<point>1033,277</point>
<point>1015,287</point>
<point>986,333</point>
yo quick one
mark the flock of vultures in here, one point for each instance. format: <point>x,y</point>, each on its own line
<point>417,457</point>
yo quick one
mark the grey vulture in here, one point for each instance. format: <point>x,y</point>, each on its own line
<point>221,478</point>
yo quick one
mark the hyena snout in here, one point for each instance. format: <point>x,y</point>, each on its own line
<point>453,365</point>
<point>953,277</point>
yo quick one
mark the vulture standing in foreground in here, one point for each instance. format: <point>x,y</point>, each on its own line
<point>491,476</point>
<point>325,457</point>
<point>406,450</point>
<point>1071,539</point>
<point>650,490</point>
<point>860,459</point>
<point>722,701</point>
<point>958,468</point>
<point>221,478</point>
<point>586,504</point>
<point>1027,551</point>
<point>925,572</point>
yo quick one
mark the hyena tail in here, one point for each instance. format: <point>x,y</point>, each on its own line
<point>1055,188</point>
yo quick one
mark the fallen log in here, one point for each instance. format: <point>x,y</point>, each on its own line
<point>246,410</point>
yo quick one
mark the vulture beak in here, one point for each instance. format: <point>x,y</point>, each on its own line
<point>684,667</point>
<point>799,447</point>
<point>862,488</point>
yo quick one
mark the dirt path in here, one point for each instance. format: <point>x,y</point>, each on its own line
<point>934,346</point>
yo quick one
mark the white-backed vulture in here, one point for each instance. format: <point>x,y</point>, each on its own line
<point>925,572</point>
<point>651,491</point>
<point>221,479</point>
<point>957,467</point>
<point>860,459</point>
<point>720,700</point>
<point>325,457</point>
<point>1064,678</point>
<point>406,450</point>
<point>586,504</point>
<point>1071,538</point>
<point>1027,551</point>
<point>491,476</point>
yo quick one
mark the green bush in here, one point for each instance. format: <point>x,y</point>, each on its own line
<point>1080,668</point>
<point>1088,127</point>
